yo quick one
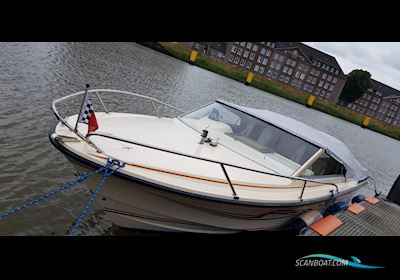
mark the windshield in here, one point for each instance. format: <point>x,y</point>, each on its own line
<point>257,139</point>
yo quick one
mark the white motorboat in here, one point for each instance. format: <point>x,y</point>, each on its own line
<point>221,168</point>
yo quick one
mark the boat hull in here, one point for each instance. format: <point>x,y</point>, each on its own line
<point>136,205</point>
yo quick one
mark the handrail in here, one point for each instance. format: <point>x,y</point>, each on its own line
<point>210,160</point>
<point>222,164</point>
<point>97,91</point>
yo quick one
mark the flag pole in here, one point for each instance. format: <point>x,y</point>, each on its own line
<point>80,110</point>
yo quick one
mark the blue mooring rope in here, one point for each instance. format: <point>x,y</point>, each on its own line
<point>91,200</point>
<point>110,163</point>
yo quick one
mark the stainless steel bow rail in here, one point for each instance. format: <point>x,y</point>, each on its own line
<point>106,173</point>
<point>153,102</point>
<point>98,92</point>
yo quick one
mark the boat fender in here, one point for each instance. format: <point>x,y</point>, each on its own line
<point>305,220</point>
<point>357,199</point>
<point>337,207</point>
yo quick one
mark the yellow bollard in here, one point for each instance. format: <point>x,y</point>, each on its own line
<point>249,78</point>
<point>310,101</point>
<point>193,57</point>
<point>365,122</point>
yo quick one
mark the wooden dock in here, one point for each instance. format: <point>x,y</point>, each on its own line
<point>380,219</point>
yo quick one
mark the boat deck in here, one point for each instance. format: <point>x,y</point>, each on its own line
<point>381,219</point>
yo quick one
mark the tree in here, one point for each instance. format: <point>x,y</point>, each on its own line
<point>358,81</point>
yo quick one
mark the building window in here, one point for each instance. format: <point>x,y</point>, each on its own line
<point>265,61</point>
<point>261,70</point>
<point>290,71</point>
<point>305,87</point>
<point>268,53</point>
<point>246,54</point>
<point>274,74</point>
<point>324,76</point>
<point>242,44</point>
<point>310,88</point>
<point>234,49</point>
<point>334,80</point>
<point>281,77</point>
<point>293,64</point>
<point>276,56</point>
<point>263,50</point>
<point>236,61</point>
<point>252,56</point>
<point>321,83</point>
<point>314,80</point>
<point>309,78</point>
<point>278,66</point>
<point>242,62</point>
<point>302,76</point>
<point>317,90</point>
<point>249,45</point>
<point>260,59</point>
<point>331,87</point>
<point>328,94</point>
<point>317,73</point>
<point>240,51</point>
<point>230,57</point>
<point>337,72</point>
<point>326,85</point>
<point>269,73</point>
<point>286,80</point>
<point>369,97</point>
<point>281,58</point>
<point>255,47</point>
<point>329,78</point>
<point>288,61</point>
<point>256,67</point>
<point>285,69</point>
<point>273,64</point>
<point>248,65</point>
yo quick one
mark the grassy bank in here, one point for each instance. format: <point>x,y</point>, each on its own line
<point>264,84</point>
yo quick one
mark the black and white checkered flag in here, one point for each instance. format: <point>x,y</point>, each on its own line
<point>87,110</point>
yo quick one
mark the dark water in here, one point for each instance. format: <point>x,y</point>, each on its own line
<point>32,75</point>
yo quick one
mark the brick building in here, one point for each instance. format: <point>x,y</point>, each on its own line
<point>380,102</point>
<point>292,63</point>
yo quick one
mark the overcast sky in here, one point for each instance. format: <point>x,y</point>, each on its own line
<point>382,60</point>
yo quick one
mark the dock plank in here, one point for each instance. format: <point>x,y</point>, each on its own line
<point>381,219</point>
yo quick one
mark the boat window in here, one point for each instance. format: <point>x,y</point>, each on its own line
<point>325,165</point>
<point>252,136</point>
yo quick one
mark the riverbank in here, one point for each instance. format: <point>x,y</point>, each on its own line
<point>209,63</point>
